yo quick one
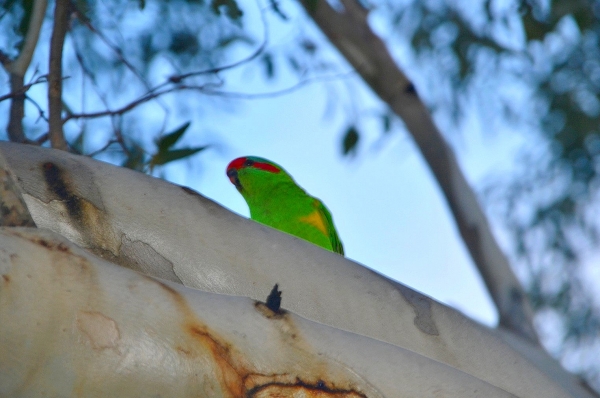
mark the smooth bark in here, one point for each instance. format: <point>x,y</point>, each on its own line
<point>55,105</point>
<point>171,232</point>
<point>72,324</point>
<point>17,70</point>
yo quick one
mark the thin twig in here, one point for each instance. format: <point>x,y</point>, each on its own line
<point>208,90</point>
<point>55,106</point>
<point>256,53</point>
<point>41,139</point>
<point>117,50</point>
<point>276,93</point>
<point>87,72</point>
<point>161,89</point>
<point>38,107</point>
<point>259,50</point>
<point>24,88</point>
<point>109,143</point>
<point>145,98</point>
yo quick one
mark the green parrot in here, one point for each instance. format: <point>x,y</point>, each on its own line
<point>276,200</point>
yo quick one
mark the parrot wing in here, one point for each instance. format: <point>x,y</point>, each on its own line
<point>336,243</point>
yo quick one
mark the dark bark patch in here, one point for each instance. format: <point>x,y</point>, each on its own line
<point>57,183</point>
<point>422,308</point>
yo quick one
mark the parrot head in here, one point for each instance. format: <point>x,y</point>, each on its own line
<point>249,173</point>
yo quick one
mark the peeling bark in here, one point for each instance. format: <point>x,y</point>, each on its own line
<point>13,210</point>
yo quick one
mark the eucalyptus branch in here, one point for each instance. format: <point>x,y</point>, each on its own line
<point>207,89</point>
<point>55,105</point>
<point>17,70</point>
<point>350,32</point>
<point>19,66</point>
<point>4,59</point>
<point>145,98</point>
<point>259,50</point>
<point>17,110</point>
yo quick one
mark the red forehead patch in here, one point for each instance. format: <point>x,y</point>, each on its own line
<point>243,162</point>
<point>266,167</point>
<point>236,163</point>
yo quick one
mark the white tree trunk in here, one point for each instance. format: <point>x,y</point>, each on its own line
<point>75,325</point>
<point>173,233</point>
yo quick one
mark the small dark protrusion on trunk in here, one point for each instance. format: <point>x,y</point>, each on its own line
<point>410,89</point>
<point>274,299</point>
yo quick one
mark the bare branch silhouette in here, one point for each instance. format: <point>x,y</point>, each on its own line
<point>24,88</point>
<point>17,70</point>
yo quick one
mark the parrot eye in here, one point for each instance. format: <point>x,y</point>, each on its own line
<point>248,162</point>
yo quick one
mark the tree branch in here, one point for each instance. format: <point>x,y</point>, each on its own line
<point>23,89</point>
<point>205,89</point>
<point>61,20</point>
<point>116,49</point>
<point>19,66</point>
<point>258,51</point>
<point>17,70</point>
<point>17,109</point>
<point>349,31</point>
<point>145,98</point>
<point>162,89</point>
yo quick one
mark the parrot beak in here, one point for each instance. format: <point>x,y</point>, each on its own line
<point>233,177</point>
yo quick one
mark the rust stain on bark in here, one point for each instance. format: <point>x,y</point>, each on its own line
<point>50,245</point>
<point>230,375</point>
<point>228,364</point>
<point>300,389</point>
<point>236,376</point>
<point>267,312</point>
<point>283,385</point>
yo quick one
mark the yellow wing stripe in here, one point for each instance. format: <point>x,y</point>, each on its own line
<point>316,219</point>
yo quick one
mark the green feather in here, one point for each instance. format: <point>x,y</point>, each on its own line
<point>276,200</point>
